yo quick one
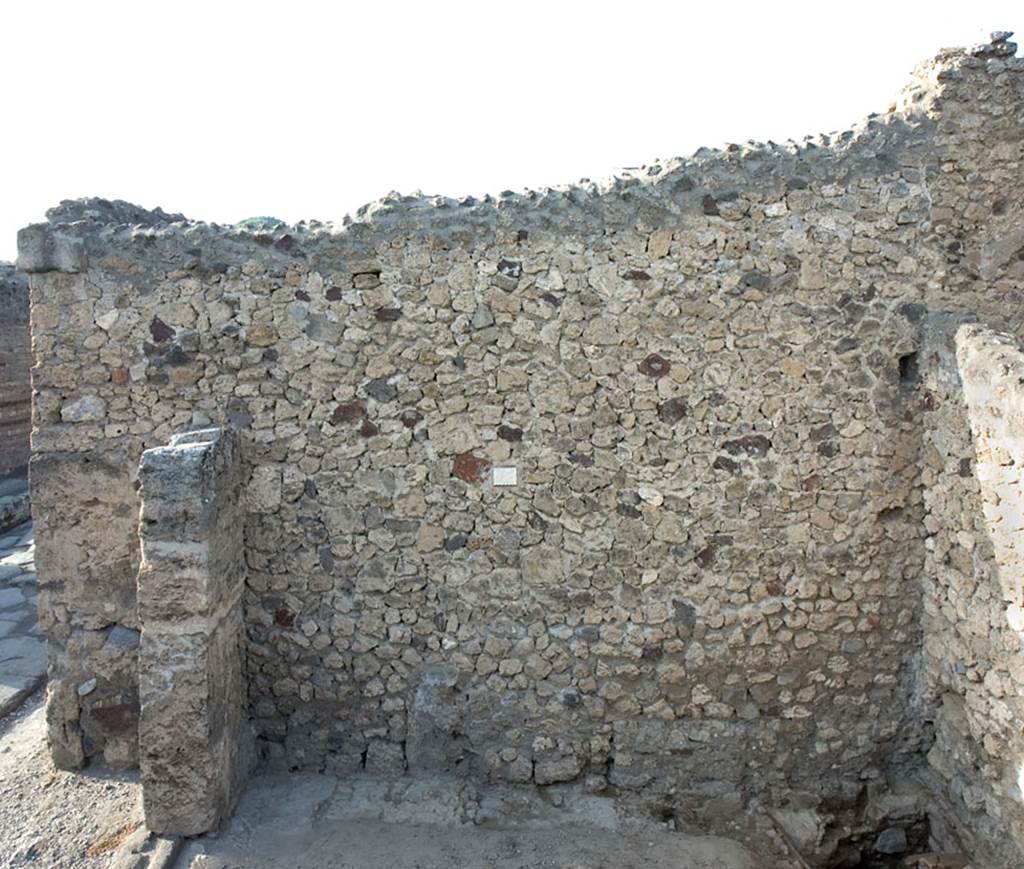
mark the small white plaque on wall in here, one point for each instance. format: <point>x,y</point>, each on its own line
<point>505,476</point>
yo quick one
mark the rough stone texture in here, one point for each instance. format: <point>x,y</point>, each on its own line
<point>22,647</point>
<point>194,735</point>
<point>973,600</point>
<point>15,506</point>
<point>15,362</point>
<point>712,573</point>
<point>85,519</point>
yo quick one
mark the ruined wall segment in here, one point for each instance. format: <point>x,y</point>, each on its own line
<point>707,574</point>
<point>15,362</point>
<point>973,596</point>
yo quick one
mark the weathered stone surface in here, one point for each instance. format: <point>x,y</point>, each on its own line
<point>973,595</point>
<point>88,408</point>
<point>760,562</point>
<point>15,362</point>
<point>469,467</point>
<point>194,736</point>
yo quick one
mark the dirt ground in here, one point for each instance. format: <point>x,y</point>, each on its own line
<point>55,819</point>
<point>318,822</point>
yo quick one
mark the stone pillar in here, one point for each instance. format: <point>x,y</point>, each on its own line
<point>195,742</point>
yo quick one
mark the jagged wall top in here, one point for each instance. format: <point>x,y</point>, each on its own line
<point>706,182</point>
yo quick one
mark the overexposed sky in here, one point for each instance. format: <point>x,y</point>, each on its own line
<point>226,110</point>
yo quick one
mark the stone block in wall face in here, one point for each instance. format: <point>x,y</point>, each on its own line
<point>40,249</point>
<point>195,741</point>
<point>85,509</point>
<point>194,750</point>
<point>63,733</point>
<point>182,481</point>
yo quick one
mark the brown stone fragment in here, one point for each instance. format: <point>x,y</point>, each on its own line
<point>284,619</point>
<point>118,376</point>
<point>410,418</point>
<point>654,366</point>
<point>368,429</point>
<point>754,445</point>
<point>510,433</point>
<point>117,720</point>
<point>673,410</point>
<point>333,294</point>
<point>261,335</point>
<point>387,315</point>
<point>348,411</point>
<point>469,467</point>
<point>636,275</point>
<point>724,463</point>
<point>160,330</point>
<point>707,555</point>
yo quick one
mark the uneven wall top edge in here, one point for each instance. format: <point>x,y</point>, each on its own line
<point>701,184</point>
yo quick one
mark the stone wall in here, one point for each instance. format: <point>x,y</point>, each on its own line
<point>15,362</point>
<point>618,482</point>
<point>973,597</point>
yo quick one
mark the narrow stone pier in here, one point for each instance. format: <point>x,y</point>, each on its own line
<point>195,742</point>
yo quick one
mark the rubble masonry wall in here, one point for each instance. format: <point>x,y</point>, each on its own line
<point>709,571</point>
<point>973,615</point>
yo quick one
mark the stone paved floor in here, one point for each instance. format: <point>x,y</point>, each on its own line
<point>22,647</point>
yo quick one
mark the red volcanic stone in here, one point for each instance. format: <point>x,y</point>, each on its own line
<point>118,376</point>
<point>756,446</point>
<point>410,418</point>
<point>348,411</point>
<point>707,555</point>
<point>284,619</point>
<point>118,719</point>
<point>673,410</point>
<point>469,467</point>
<point>333,294</point>
<point>654,366</point>
<point>724,463</point>
<point>160,330</point>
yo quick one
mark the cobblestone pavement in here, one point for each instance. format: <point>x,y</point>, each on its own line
<point>22,647</point>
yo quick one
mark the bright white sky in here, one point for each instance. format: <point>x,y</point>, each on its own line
<point>226,110</point>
